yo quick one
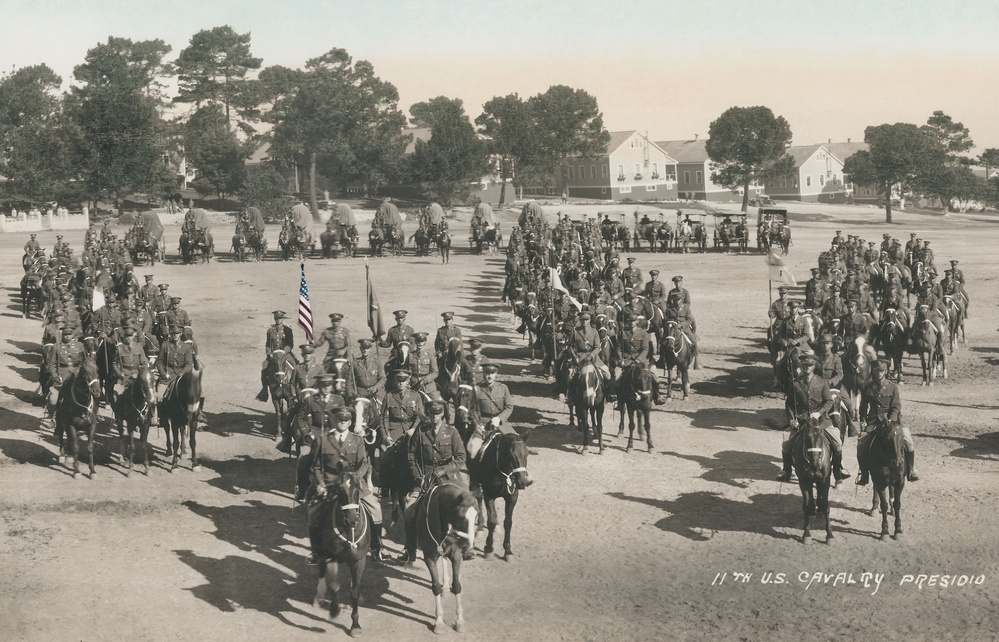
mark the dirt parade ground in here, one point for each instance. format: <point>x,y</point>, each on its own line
<point>695,540</point>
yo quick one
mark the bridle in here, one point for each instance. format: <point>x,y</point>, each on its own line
<point>510,486</point>
<point>362,517</point>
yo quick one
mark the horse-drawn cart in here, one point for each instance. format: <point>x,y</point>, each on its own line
<point>772,228</point>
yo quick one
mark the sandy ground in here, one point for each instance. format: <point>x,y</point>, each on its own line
<point>618,546</point>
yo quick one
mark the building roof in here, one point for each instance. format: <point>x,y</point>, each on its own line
<point>801,153</point>
<point>262,154</point>
<point>686,151</point>
<point>618,138</point>
<point>417,133</point>
<point>844,151</point>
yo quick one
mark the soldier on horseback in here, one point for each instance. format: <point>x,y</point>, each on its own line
<point>444,334</point>
<point>402,409</point>
<point>279,337</point>
<point>339,450</point>
<point>810,398</point>
<point>655,290</point>
<point>175,358</point>
<point>435,456</point>
<point>493,405</point>
<point>472,363</point>
<point>423,363</point>
<point>338,338</point>
<point>678,310</point>
<point>128,359</point>
<point>398,333</point>
<point>881,401</point>
<point>586,345</point>
<point>634,349</point>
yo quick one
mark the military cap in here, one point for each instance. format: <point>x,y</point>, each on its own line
<point>584,315</point>
<point>149,277</point>
<point>342,413</point>
<point>677,278</point>
<point>447,316</point>
<point>912,234</point>
<point>948,271</point>
<point>806,358</point>
<point>628,289</point>
<point>834,292</point>
<point>400,314</point>
<point>174,299</point>
<point>886,235</point>
<point>871,243</point>
<point>917,238</point>
<point>307,348</point>
<point>631,259</point>
<point>419,337</point>
<point>435,401</point>
<point>853,302</point>
<point>336,316</point>
<point>653,272</point>
<point>615,261</point>
<point>783,288</point>
<point>163,286</point>
<point>278,314</point>
<point>401,375</point>
<point>128,330</point>
<point>881,364</point>
<point>175,328</point>
<point>58,314</point>
<point>826,338</point>
<point>325,379</point>
<point>33,235</point>
<point>815,270</point>
<point>365,343</point>
<point>954,261</point>
<point>58,236</point>
<point>490,368</point>
<point>926,242</point>
<point>475,344</point>
<point>794,305</point>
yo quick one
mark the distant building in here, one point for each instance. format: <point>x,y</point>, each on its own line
<point>632,168</point>
<point>693,173</point>
<point>843,151</point>
<point>817,177</point>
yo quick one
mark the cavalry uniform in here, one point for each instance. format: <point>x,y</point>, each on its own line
<point>173,361</point>
<point>494,402</point>
<point>279,337</point>
<point>148,292</point>
<point>367,378</point>
<point>471,369</point>
<point>808,396</point>
<point>634,345</point>
<point>780,310</point>
<point>63,359</point>
<point>303,377</point>
<point>833,308</point>
<point>396,335</point>
<point>655,292</point>
<point>829,367</point>
<point>853,325</point>
<point>424,369</point>
<point>880,401</point>
<point>401,411</point>
<point>339,341</point>
<point>632,277</point>
<point>436,448</point>
<point>444,335</point>
<point>32,246</point>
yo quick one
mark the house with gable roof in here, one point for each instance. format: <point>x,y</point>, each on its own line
<point>694,173</point>
<point>817,177</point>
<point>632,168</point>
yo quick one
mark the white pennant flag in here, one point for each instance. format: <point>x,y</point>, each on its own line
<point>779,272</point>
<point>557,284</point>
<point>98,299</point>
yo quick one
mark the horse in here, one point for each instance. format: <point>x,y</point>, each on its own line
<point>891,338</point>
<point>664,236</point>
<point>648,233</point>
<point>635,393</point>
<point>684,236</point>
<point>395,240</point>
<point>742,236</point>
<point>31,292</point>
<point>134,409</point>
<point>812,459</point>
<point>256,242</point>
<point>585,394</point>
<point>449,375</point>
<point>677,351</point>
<point>444,519</point>
<point>887,465</point>
<point>857,361</point>
<point>344,538</point>
<point>500,471</point>
<point>239,247</point>
<point>293,242</point>
<point>76,409</point>
<point>376,240</point>
<point>180,409</point>
<point>923,340</point>
<point>277,375</point>
<point>492,237</point>
<point>422,238</point>
<point>955,321</point>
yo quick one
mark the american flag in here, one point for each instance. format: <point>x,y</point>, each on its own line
<point>304,307</point>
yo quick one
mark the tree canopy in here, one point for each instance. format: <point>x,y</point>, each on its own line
<point>748,144</point>
<point>454,158</point>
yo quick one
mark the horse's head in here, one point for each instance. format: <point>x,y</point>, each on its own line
<point>463,402</point>
<point>461,514</point>
<point>454,352</point>
<point>88,376</point>
<point>278,367</point>
<point>347,495</point>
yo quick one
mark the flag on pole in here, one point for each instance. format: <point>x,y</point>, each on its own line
<point>557,284</point>
<point>779,272</point>
<point>304,306</point>
<point>99,301</point>
<point>375,320</point>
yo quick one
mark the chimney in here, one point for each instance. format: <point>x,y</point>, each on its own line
<point>848,140</point>
<point>829,141</point>
<point>695,136</point>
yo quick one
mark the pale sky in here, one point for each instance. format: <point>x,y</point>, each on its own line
<point>669,68</point>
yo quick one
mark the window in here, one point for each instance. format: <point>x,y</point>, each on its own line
<point>699,177</point>
<point>822,179</point>
<point>655,169</point>
<point>794,182</point>
<point>570,171</point>
<point>834,179</point>
<point>686,178</point>
<point>808,181</point>
<point>620,171</point>
<point>603,171</point>
<point>782,182</point>
<point>650,188</point>
<point>603,190</point>
<point>593,171</point>
<point>625,190</point>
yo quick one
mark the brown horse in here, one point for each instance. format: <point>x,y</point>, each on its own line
<point>134,409</point>
<point>500,471</point>
<point>812,459</point>
<point>924,339</point>
<point>345,538</point>
<point>677,352</point>
<point>180,409</point>
<point>886,461</point>
<point>76,410</point>
<point>635,393</point>
<point>277,375</point>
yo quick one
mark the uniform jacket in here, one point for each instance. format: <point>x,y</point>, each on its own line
<point>424,368</point>
<point>304,375</point>
<point>494,401</point>
<point>333,457</point>
<point>655,291</point>
<point>279,337</point>
<point>442,453</point>
<point>64,358</point>
<point>396,335</point>
<point>830,368</point>
<point>401,410</point>
<point>880,399</point>
<point>805,398</point>
<point>676,297</point>
<point>634,344</point>
<point>130,356</point>
<point>339,341</point>
<point>444,334</point>
<point>314,411</point>
<point>471,369</point>
<point>174,359</point>
<point>366,376</point>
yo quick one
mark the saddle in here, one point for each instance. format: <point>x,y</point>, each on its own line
<point>884,445</point>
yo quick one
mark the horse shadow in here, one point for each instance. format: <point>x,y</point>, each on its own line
<point>700,515</point>
<point>26,348</point>
<point>28,374</point>
<point>729,466</point>
<point>732,419</point>
<point>741,381</point>
<point>23,451</point>
<point>554,436</point>
<point>243,474</point>
<point>982,447</point>
<point>226,424</point>
<point>992,361</point>
<point>29,397</point>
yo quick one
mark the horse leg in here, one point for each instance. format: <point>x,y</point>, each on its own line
<point>645,416</point>
<point>883,498</point>
<point>130,451</point>
<point>510,503</point>
<point>491,522</point>
<point>808,507</point>
<point>195,467</point>
<point>144,442</point>
<point>685,379</point>
<point>584,427</point>
<point>598,422</point>
<point>91,432</point>
<point>75,438</point>
<point>332,584</point>
<point>897,505</point>
<point>459,611</point>
<point>627,407</point>
<point>668,371</point>
<point>356,573</point>
<point>438,589</point>
<point>823,502</point>
<point>174,429</point>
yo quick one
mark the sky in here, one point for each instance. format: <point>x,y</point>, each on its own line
<point>664,67</point>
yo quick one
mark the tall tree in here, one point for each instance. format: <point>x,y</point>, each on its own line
<point>989,159</point>
<point>36,140</point>
<point>215,152</point>
<point>947,180</point>
<point>212,69</point>
<point>746,145</point>
<point>335,114</point>
<point>568,122</point>
<point>899,156</point>
<point>953,137</point>
<point>454,157</point>
<point>508,127</point>
<point>118,109</point>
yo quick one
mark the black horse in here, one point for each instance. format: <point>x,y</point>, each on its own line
<point>635,394</point>
<point>76,410</point>
<point>886,462</point>
<point>31,293</point>
<point>812,459</point>
<point>180,408</point>
<point>133,409</point>
<point>345,537</point>
<point>500,471</point>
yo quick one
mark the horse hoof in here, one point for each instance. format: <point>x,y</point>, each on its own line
<point>830,541</point>
<point>871,512</point>
<point>628,449</point>
<point>898,537</point>
<point>76,475</point>
<point>173,470</point>
<point>884,537</point>
<point>196,469</point>
<point>93,476</point>
<point>488,556</point>
<point>459,627</point>
<point>439,628</point>
<point>807,539</point>
<point>509,558</point>
<point>62,459</point>
<point>355,631</point>
<point>583,451</point>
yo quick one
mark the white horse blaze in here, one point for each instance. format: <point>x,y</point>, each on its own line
<point>470,516</point>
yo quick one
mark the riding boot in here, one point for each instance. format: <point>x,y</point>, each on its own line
<point>656,398</point>
<point>315,543</point>
<point>786,475</point>
<point>910,463</point>
<point>697,358</point>
<point>263,394</point>
<point>837,462</point>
